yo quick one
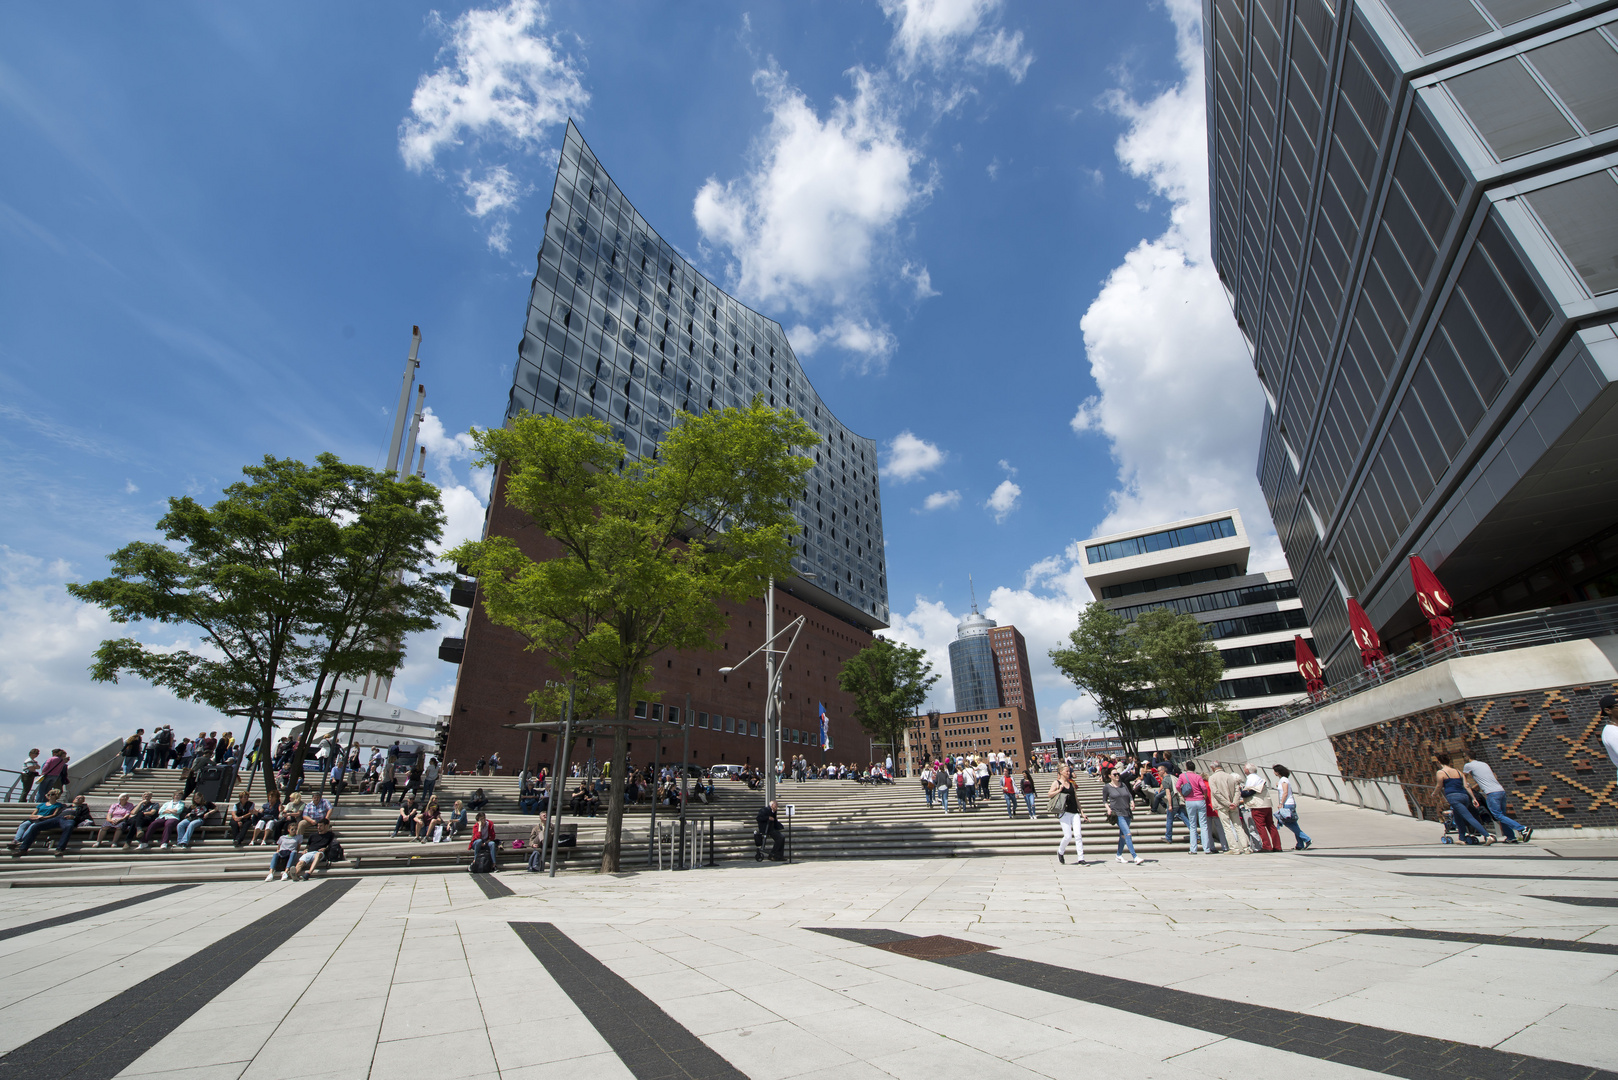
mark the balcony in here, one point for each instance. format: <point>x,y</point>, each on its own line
<point>462,592</point>
<point>452,649</point>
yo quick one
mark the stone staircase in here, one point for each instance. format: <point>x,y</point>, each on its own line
<point>831,819</point>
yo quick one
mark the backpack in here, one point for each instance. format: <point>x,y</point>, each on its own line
<point>482,862</point>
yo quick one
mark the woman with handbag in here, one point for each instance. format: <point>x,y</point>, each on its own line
<point>1120,807</point>
<point>1064,806</point>
<point>1027,785</point>
<point>1288,814</point>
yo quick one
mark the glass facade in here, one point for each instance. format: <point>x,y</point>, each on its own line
<point>971,665</point>
<point>620,326</point>
<point>1415,218</point>
<point>1222,529</point>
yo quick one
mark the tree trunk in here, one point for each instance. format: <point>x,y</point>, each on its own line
<point>266,751</point>
<point>610,855</point>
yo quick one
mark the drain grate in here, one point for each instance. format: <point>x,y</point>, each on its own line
<point>936,947</point>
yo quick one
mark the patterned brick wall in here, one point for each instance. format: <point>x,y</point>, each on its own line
<point>1544,745</point>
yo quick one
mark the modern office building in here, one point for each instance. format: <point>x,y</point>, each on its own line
<point>1415,217</point>
<point>620,326</point>
<point>1198,567</point>
<point>971,664</point>
<point>988,666</point>
<point>1005,729</point>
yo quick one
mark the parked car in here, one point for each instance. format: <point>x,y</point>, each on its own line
<point>725,772</point>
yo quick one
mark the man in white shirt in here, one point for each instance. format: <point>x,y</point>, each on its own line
<point>1494,797</point>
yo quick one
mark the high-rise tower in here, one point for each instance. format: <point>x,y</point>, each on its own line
<point>1415,217</point>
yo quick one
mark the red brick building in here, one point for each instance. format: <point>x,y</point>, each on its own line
<point>497,673</point>
<point>1012,671</point>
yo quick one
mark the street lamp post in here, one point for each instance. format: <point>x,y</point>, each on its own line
<point>774,666</point>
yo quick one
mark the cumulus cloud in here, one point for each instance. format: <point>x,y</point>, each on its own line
<point>803,226</point>
<point>504,83</point>
<point>944,34</point>
<point>1177,402</point>
<point>910,457</point>
<point>870,344</point>
<point>942,500</point>
<point>1004,500</point>
<point>46,642</point>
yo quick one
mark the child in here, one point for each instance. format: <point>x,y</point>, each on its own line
<point>285,849</point>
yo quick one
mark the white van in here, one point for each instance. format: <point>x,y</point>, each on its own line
<point>725,772</point>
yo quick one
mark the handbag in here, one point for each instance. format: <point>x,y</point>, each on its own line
<point>1058,801</point>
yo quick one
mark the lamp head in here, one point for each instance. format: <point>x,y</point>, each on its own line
<point>726,670</point>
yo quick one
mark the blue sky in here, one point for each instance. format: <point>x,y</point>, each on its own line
<point>983,223</point>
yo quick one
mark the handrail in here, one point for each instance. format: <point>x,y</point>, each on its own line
<point>1416,796</point>
<point>1477,637</point>
<point>13,785</point>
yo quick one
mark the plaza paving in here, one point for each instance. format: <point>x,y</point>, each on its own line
<point>770,971</point>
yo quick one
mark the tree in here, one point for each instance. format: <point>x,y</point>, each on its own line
<point>647,548</point>
<point>265,576</point>
<point>1104,662</point>
<point>1180,665</point>
<point>889,682</point>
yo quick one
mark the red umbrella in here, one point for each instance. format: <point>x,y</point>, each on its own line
<point>1434,600</point>
<point>1308,667</point>
<point>1364,634</point>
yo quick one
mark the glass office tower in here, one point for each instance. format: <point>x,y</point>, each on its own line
<point>971,664</point>
<point>622,327</point>
<point>1415,218</point>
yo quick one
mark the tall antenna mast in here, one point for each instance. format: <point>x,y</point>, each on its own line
<point>974,590</point>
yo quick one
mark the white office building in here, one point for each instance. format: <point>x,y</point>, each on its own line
<point>1199,566</point>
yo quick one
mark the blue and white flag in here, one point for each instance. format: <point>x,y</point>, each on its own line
<point>825,728</point>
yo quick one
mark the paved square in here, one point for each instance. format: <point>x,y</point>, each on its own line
<point>1413,961</point>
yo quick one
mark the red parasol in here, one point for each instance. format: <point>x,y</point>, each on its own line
<point>1308,667</point>
<point>1434,601</point>
<point>1364,635</point>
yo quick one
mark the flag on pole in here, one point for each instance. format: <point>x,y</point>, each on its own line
<point>825,728</point>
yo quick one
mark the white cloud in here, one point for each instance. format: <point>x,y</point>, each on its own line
<point>496,191</point>
<point>870,343</point>
<point>910,457</point>
<point>1178,401</point>
<point>505,82</point>
<point>943,33</point>
<point>942,500</point>
<point>130,487</point>
<point>46,642</point>
<point>930,627</point>
<point>920,279</point>
<point>803,226</point>
<point>1004,500</point>
<point>993,169</point>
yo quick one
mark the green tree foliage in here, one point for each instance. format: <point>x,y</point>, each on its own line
<point>647,547</point>
<point>888,682</point>
<point>1181,667</point>
<point>1103,661</point>
<point>300,575</point>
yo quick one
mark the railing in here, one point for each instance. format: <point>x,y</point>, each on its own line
<point>1545,626</point>
<point>1388,796</point>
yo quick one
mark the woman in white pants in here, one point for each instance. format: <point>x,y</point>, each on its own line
<point>1064,796</point>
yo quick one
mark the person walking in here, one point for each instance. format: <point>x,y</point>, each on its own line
<point>1064,797</point>
<point>1120,807</point>
<point>53,774</point>
<point>1008,788</point>
<point>1288,814</point>
<point>1451,784</point>
<point>1256,797</point>
<point>1027,786</point>
<point>1225,790</point>
<point>132,747</point>
<point>1494,797</point>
